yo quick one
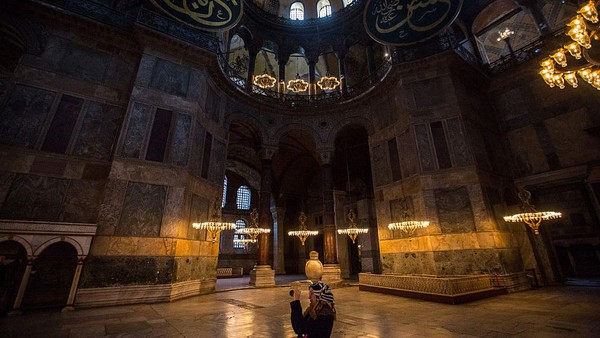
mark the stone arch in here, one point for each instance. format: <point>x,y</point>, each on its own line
<point>310,131</point>
<point>357,120</point>
<point>25,243</point>
<point>72,241</point>
<point>250,120</point>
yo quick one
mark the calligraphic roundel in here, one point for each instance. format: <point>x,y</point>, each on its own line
<point>406,22</point>
<point>209,15</point>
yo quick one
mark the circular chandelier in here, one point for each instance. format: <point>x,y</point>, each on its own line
<point>352,230</point>
<point>244,241</point>
<point>298,85</point>
<point>253,231</point>
<point>533,218</point>
<point>214,225</point>
<point>303,233</point>
<point>588,69</point>
<point>328,83</point>
<point>264,81</point>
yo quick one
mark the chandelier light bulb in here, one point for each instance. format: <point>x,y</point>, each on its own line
<point>574,49</point>
<point>560,57</point>
<point>589,12</point>
<point>558,80</point>
<point>571,78</point>
<point>548,64</point>
<point>547,76</point>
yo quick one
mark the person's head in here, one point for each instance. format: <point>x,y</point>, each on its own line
<point>320,291</point>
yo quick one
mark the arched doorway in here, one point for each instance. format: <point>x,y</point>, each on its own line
<point>51,277</point>
<point>13,260</point>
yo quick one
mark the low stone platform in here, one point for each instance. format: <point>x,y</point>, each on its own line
<point>441,289</point>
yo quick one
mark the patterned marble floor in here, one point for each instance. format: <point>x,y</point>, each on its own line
<point>571,311</point>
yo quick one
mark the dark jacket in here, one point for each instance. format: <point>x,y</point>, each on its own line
<point>313,328</point>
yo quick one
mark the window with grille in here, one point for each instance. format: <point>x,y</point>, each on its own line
<point>239,224</point>
<point>243,198</point>
<point>323,8</point>
<point>297,11</point>
<point>224,192</point>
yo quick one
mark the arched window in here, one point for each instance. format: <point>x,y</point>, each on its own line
<point>239,224</point>
<point>323,8</point>
<point>224,192</point>
<point>243,198</point>
<point>348,2</point>
<point>297,11</point>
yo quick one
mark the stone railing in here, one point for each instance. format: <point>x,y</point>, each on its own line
<point>450,286</point>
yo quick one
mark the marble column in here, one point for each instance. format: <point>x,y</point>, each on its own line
<point>251,65</point>
<point>312,78</point>
<point>342,67</point>
<point>16,309</point>
<point>282,60</point>
<point>371,64</point>
<point>331,268</point>
<point>263,275</point>
<point>71,300</point>
<point>279,241</point>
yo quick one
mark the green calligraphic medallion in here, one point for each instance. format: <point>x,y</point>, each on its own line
<point>406,22</point>
<point>209,15</point>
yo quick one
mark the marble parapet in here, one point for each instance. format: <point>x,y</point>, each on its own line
<point>448,289</point>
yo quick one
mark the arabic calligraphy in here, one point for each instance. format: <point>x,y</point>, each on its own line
<point>408,21</point>
<point>203,14</point>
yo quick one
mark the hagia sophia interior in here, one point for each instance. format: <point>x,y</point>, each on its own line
<point>437,150</point>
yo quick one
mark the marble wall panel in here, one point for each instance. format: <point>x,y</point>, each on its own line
<point>380,164</point>
<point>409,162</point>
<point>564,140</point>
<point>428,93</point>
<point>458,143</point>
<point>527,150</point>
<point>98,132</point>
<point>63,123</point>
<point>408,263</point>
<point>142,210</point>
<point>197,150</point>
<point>198,213</point>
<point>193,268</point>
<point>82,201</point>
<point>109,212</point>
<point>454,210</point>
<point>120,72</point>
<point>180,140</point>
<point>467,262</point>
<point>36,198</point>
<point>23,114</point>
<point>66,57</point>
<point>385,113</point>
<point>424,147</point>
<point>511,104</point>
<point>137,128</point>
<point>173,217</point>
<point>170,78</point>
<point>126,270</point>
<point>213,102</point>
<point>218,158</point>
<point>145,70</point>
<point>197,86</point>
<point>478,145</point>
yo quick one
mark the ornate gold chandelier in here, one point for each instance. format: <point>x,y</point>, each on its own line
<point>531,217</point>
<point>264,81</point>
<point>214,225</point>
<point>352,230</point>
<point>407,225</point>
<point>328,82</point>
<point>253,231</point>
<point>298,85</point>
<point>303,233</point>
<point>588,69</point>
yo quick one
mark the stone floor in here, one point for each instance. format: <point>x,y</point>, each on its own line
<point>570,311</point>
